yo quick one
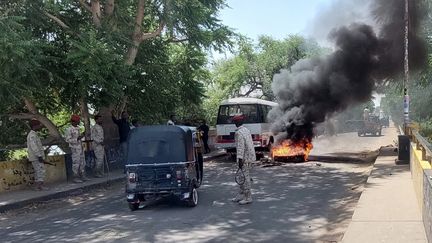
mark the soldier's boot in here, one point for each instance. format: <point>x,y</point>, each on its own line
<point>98,174</point>
<point>43,187</point>
<point>76,179</point>
<point>247,199</point>
<point>84,177</point>
<point>238,198</point>
<point>37,186</point>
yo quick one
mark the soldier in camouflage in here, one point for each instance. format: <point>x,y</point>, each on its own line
<point>36,154</point>
<point>73,138</point>
<point>97,135</point>
<point>245,156</point>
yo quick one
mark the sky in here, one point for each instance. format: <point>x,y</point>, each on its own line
<point>281,18</point>
<point>277,18</point>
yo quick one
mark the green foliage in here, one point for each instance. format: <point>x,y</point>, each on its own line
<point>425,76</point>
<point>251,70</point>
<point>392,103</point>
<point>57,67</point>
<point>170,83</point>
<point>419,87</point>
<point>214,96</point>
<point>94,71</point>
<point>197,21</point>
<point>426,129</point>
<point>18,154</point>
<point>11,132</point>
<point>19,60</point>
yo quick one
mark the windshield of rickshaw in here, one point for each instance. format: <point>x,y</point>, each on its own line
<point>154,146</point>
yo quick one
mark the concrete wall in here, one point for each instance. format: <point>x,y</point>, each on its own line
<point>427,201</point>
<point>19,174</point>
<point>421,174</point>
<point>418,166</point>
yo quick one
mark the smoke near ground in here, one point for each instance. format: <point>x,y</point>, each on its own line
<point>316,88</point>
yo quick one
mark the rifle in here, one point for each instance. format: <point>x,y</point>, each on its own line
<point>49,163</point>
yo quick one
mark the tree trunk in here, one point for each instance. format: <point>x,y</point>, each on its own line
<point>109,7</point>
<point>52,128</point>
<point>110,129</point>
<point>132,53</point>
<point>96,12</point>
<point>111,133</point>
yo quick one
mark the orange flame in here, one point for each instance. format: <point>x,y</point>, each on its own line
<point>290,149</point>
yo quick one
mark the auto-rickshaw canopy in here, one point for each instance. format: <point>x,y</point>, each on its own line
<point>160,144</point>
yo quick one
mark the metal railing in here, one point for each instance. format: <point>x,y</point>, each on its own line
<point>421,143</point>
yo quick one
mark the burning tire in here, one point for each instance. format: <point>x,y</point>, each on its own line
<point>289,151</point>
<point>293,159</point>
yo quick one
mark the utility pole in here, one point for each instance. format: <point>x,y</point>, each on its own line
<point>403,140</point>
<point>406,69</point>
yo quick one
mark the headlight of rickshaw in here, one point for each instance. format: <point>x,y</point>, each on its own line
<point>132,178</point>
<point>179,174</point>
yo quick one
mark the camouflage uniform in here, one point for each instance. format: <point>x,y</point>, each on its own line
<point>245,151</point>
<point>78,159</point>
<point>35,151</point>
<point>97,135</point>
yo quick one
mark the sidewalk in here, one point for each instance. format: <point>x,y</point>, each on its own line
<point>21,198</point>
<point>387,210</point>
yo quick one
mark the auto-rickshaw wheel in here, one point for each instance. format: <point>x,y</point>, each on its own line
<point>193,198</point>
<point>134,206</point>
<point>199,179</point>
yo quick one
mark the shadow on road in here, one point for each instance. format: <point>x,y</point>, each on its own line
<point>294,203</point>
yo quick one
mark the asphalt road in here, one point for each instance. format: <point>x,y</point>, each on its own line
<point>350,143</point>
<point>305,202</point>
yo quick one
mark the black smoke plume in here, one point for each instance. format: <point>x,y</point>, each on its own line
<point>316,88</point>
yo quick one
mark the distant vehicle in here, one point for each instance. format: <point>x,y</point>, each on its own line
<point>385,121</point>
<point>371,126</point>
<point>255,111</point>
<point>163,161</point>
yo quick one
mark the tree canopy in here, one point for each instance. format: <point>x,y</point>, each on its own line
<point>72,56</point>
<point>249,72</point>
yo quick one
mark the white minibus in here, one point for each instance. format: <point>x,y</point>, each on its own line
<point>255,112</point>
